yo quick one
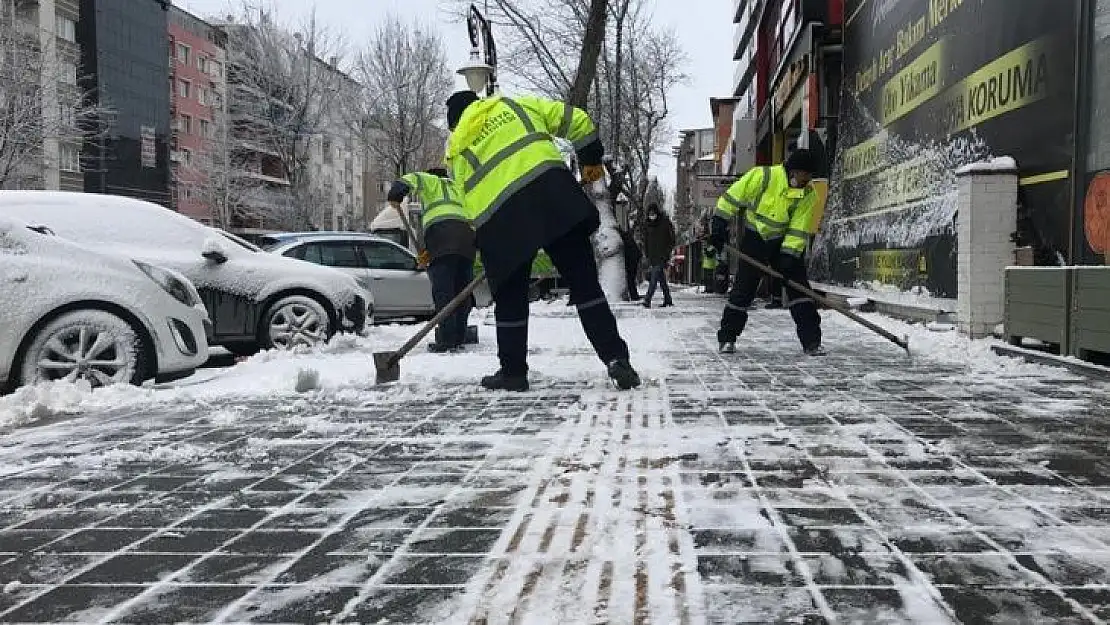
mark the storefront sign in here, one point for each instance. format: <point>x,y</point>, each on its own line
<point>793,76</point>
<point>931,85</point>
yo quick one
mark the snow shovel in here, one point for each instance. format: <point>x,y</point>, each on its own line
<point>388,364</point>
<point>904,343</point>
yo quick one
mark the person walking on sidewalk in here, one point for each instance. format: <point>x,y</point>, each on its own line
<point>778,205</point>
<point>632,256</point>
<point>659,245</point>
<point>521,197</point>
<point>448,247</point>
<point>709,267</point>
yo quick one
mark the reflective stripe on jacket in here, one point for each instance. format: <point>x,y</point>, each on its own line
<point>772,208</point>
<point>440,198</point>
<point>501,144</point>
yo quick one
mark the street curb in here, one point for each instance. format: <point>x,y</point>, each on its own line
<point>1040,358</point>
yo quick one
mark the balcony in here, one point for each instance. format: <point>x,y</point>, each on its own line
<point>744,36</point>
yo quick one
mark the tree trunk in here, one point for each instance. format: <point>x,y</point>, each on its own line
<point>591,50</point>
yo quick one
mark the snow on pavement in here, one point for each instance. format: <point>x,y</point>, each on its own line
<point>864,487</point>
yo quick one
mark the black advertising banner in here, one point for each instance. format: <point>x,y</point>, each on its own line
<point>929,86</point>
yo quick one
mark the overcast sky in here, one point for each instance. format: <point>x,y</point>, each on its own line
<point>704,27</point>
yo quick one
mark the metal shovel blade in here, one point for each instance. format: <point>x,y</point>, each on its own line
<point>388,367</point>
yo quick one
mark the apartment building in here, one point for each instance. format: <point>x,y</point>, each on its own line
<point>40,37</point>
<point>197,61</point>
<point>123,48</point>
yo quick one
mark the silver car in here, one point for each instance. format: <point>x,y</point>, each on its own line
<point>388,270</point>
<point>71,313</point>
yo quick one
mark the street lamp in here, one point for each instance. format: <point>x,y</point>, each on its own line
<point>480,72</point>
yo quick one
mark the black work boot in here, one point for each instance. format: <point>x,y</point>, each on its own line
<point>815,350</point>
<point>623,375</point>
<point>501,381</point>
<point>774,304</point>
<point>727,348</point>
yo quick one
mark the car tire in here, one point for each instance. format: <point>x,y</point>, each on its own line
<point>295,320</point>
<point>92,345</point>
<point>242,350</point>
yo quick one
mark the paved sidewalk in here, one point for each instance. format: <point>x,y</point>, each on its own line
<point>763,487</point>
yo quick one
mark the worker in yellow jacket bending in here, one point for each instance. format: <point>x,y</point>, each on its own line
<point>448,247</point>
<point>777,207</point>
<point>521,197</point>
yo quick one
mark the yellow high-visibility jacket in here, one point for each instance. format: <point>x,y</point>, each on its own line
<point>772,208</point>
<point>441,200</point>
<point>501,144</point>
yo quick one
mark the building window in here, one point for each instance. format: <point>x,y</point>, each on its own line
<point>69,157</point>
<point>67,28</point>
<point>205,129</point>
<point>187,124</point>
<point>183,53</point>
<point>67,115</point>
<point>184,89</point>
<point>186,157</point>
<point>215,69</point>
<point>202,63</point>
<point>202,96</point>
<point>68,74</point>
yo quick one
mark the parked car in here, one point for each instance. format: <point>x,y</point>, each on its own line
<point>256,300</point>
<point>68,312</point>
<point>388,270</point>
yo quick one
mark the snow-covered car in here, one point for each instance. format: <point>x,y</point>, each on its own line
<point>71,313</point>
<point>388,270</point>
<point>256,300</point>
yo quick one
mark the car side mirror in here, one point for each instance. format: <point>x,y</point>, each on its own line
<point>213,251</point>
<point>214,256</point>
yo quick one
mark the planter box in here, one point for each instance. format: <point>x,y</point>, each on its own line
<point>1038,305</point>
<point>1090,311</point>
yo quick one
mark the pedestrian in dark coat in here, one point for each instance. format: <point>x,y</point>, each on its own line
<point>659,245</point>
<point>632,255</point>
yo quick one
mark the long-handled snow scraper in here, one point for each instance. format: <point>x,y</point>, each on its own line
<point>388,364</point>
<point>904,342</point>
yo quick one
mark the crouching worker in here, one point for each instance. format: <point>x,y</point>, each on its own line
<point>448,248</point>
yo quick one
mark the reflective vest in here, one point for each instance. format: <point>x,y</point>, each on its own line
<point>439,197</point>
<point>709,258</point>
<point>772,208</point>
<point>542,266</point>
<point>501,144</point>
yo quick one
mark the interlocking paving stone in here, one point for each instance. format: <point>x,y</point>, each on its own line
<point>757,488</point>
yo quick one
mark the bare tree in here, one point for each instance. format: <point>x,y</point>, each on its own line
<point>287,104</point>
<point>45,118</point>
<point>654,64</point>
<point>404,83</point>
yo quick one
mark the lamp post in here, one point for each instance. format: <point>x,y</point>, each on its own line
<point>480,72</point>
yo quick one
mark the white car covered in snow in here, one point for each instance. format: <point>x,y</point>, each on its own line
<point>71,313</point>
<point>256,300</point>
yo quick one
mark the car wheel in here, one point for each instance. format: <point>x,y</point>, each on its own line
<point>91,345</point>
<point>242,349</point>
<point>296,320</point>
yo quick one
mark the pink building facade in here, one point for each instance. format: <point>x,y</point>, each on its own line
<point>197,78</point>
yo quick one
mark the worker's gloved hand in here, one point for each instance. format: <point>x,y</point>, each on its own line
<point>718,232</point>
<point>787,264</point>
<point>592,173</point>
<point>423,259</point>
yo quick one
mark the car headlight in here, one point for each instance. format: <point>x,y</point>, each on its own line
<point>170,283</point>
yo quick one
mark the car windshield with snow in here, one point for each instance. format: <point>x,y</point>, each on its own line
<point>256,300</point>
<point>70,313</point>
<point>400,287</point>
